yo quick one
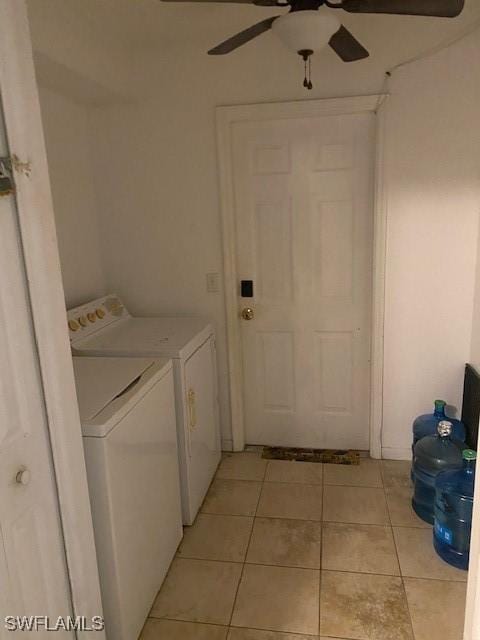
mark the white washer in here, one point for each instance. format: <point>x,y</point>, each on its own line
<point>129,434</point>
<point>104,327</point>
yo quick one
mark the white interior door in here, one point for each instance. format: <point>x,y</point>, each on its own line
<point>33,573</point>
<point>303,191</point>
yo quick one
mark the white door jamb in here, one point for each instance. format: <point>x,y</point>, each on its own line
<point>226,117</point>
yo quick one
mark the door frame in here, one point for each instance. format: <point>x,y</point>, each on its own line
<point>23,122</point>
<point>226,117</point>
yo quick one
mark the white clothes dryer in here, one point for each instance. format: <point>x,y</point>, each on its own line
<point>104,327</point>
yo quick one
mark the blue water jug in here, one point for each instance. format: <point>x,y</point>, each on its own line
<point>431,455</point>
<point>453,512</point>
<point>426,425</point>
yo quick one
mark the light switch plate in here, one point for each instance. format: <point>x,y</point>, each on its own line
<point>213,282</point>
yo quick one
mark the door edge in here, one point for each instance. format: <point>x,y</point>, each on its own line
<point>44,282</point>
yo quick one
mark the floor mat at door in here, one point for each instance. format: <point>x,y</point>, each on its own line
<point>329,456</point>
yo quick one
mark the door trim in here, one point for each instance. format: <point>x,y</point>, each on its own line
<point>38,236</point>
<point>226,116</point>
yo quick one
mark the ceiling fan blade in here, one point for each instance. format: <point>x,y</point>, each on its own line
<point>243,37</point>
<point>347,46</point>
<point>435,8</point>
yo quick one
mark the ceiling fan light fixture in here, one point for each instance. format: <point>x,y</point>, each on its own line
<point>306,30</point>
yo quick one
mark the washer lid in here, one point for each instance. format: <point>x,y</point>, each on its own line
<point>172,337</point>
<point>100,380</point>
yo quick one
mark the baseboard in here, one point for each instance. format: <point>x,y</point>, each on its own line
<point>393,453</point>
<point>227,444</point>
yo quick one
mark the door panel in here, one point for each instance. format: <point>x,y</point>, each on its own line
<point>33,570</point>
<point>303,212</point>
<point>276,370</point>
<point>334,364</point>
<point>273,236</point>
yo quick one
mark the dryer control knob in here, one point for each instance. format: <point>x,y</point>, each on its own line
<point>100,313</point>
<point>83,321</point>
<point>91,317</point>
<point>73,325</point>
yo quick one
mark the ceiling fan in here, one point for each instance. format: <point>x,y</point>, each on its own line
<point>305,29</point>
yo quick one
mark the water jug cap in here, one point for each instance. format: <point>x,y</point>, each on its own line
<point>440,403</point>
<point>469,454</point>
<point>444,428</point>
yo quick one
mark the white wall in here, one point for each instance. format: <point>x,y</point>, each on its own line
<point>158,202</point>
<point>78,65</point>
<point>433,190</point>
<point>68,140</point>
<point>163,228</point>
<point>73,52</point>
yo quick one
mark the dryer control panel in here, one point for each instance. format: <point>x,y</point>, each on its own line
<point>87,319</point>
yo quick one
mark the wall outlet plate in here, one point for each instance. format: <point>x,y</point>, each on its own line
<point>213,282</point>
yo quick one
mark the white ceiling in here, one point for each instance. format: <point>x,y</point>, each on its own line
<point>152,24</point>
<point>103,51</point>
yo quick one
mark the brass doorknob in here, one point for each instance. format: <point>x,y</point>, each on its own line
<point>247,313</point>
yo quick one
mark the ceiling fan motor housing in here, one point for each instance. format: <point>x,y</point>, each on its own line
<point>305,53</point>
<point>306,30</point>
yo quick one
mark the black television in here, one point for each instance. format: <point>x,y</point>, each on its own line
<point>471,405</point>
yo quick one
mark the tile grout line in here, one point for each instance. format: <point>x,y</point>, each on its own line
<point>369,524</point>
<point>302,568</point>
<point>246,552</point>
<point>255,517</point>
<point>229,628</point>
<point>321,554</point>
<point>307,636</point>
<point>181,621</point>
<point>404,589</point>
<point>389,575</point>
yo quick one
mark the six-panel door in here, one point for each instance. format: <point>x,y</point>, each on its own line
<point>303,212</point>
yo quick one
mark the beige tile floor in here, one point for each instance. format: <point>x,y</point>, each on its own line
<point>298,551</point>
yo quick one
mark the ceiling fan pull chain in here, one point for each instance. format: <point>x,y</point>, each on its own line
<point>305,81</point>
<point>307,67</point>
